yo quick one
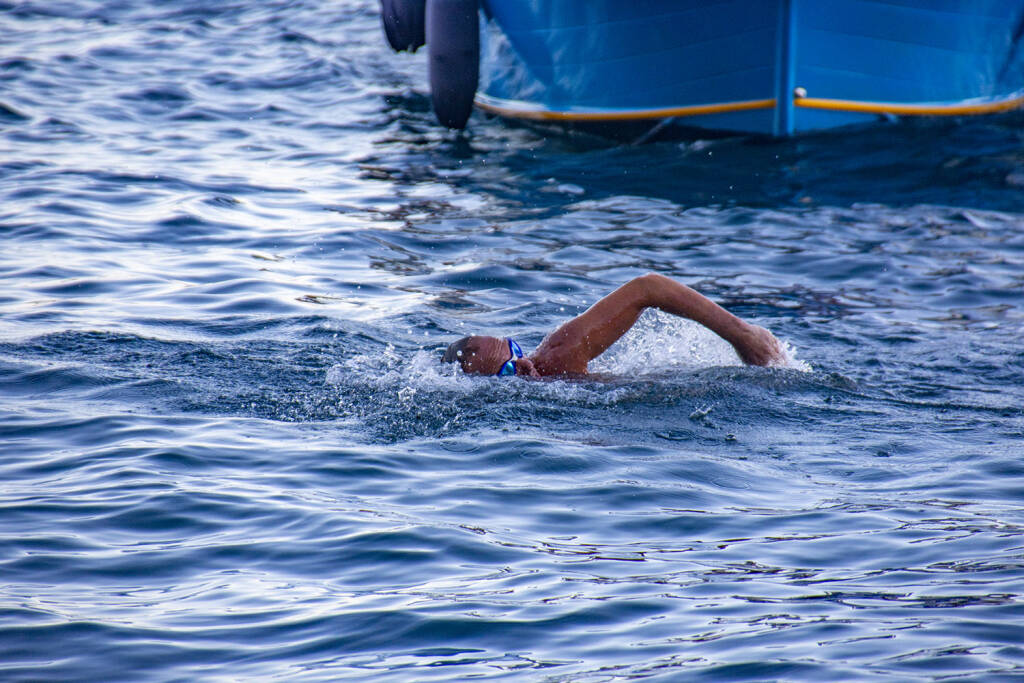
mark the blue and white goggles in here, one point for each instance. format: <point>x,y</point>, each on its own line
<point>508,368</point>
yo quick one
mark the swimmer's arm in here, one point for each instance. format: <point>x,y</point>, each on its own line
<point>569,348</point>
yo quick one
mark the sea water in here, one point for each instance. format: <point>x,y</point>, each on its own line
<point>233,244</point>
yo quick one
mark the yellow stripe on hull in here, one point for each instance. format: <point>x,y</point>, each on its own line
<point>897,109</point>
<point>523,110</point>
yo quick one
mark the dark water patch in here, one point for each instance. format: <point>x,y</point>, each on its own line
<point>9,114</point>
<point>196,115</point>
<point>16,64</point>
<point>170,97</point>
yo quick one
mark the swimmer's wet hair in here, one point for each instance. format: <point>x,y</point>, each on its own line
<point>456,351</point>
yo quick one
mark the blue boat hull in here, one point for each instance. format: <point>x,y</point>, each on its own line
<point>762,66</point>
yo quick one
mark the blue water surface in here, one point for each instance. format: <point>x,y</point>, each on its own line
<point>233,243</point>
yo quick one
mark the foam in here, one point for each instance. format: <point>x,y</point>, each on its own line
<point>660,341</point>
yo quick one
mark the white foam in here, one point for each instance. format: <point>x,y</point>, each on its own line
<point>420,377</point>
<point>791,361</point>
<point>389,369</point>
<point>660,341</point>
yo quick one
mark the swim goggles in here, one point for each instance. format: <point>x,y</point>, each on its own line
<point>508,368</point>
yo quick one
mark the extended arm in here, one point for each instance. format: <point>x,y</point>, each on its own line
<point>569,348</point>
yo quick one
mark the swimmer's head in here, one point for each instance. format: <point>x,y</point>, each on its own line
<point>480,355</point>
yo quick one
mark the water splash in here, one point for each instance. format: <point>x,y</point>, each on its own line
<point>407,381</point>
<point>790,360</point>
<point>660,342</point>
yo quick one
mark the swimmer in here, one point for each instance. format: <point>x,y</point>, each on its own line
<point>568,350</point>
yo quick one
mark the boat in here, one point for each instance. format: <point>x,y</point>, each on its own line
<point>775,67</point>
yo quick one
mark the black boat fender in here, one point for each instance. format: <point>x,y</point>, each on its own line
<point>453,46</point>
<point>404,23</point>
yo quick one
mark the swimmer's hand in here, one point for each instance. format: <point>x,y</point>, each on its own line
<point>758,346</point>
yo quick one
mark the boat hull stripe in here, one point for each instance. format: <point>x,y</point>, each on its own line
<point>525,110</point>
<point>957,109</point>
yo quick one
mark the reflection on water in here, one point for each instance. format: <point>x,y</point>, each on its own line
<point>234,246</point>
